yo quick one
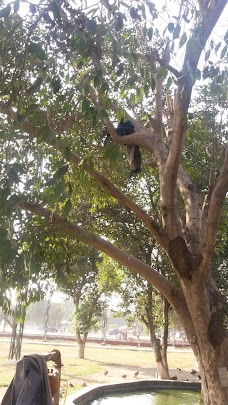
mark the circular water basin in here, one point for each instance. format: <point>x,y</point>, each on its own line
<point>155,397</point>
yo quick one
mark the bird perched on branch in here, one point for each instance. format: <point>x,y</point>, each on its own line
<point>133,153</point>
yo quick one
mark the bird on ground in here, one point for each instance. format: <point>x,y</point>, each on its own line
<point>83,384</point>
<point>106,372</point>
<point>70,384</point>
<point>124,375</point>
<point>136,373</point>
<point>199,377</point>
<point>178,369</point>
<point>193,372</point>
<point>173,378</point>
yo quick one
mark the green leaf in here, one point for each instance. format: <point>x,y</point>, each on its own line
<point>18,168</point>
<point>81,35</point>
<point>67,153</point>
<point>134,13</point>
<point>146,90</point>
<point>16,6</point>
<point>150,33</point>
<point>104,87</point>
<point>58,189</point>
<point>218,46</point>
<point>170,27</point>
<point>62,170</point>
<point>143,11</point>
<point>5,12</point>
<point>226,37</point>
<point>153,83</point>
<point>45,133</point>
<point>162,72</point>
<point>119,22</point>
<point>91,26</point>
<point>152,8</point>
<point>56,84</point>
<point>35,86</point>
<point>67,207</point>
<point>85,106</point>
<point>112,152</point>
<point>104,113</point>
<point>207,55</point>
<point>169,82</point>
<point>97,80</point>
<point>223,52</point>
<point>3,135</point>
<point>176,31</point>
<point>32,8</point>
<point>37,49</point>
<point>183,40</point>
<point>120,69</point>
<point>12,174</point>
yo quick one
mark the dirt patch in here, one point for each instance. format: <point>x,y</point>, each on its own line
<point>114,374</point>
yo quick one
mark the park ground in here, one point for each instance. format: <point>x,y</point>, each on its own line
<point>118,361</point>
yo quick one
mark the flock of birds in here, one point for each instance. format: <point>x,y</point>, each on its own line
<point>124,375</point>
<point>193,372</point>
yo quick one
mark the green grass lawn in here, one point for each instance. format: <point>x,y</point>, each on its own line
<point>96,359</point>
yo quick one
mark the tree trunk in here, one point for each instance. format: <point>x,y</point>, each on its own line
<point>165,331</point>
<point>209,340</point>
<point>162,368</point>
<point>81,349</point>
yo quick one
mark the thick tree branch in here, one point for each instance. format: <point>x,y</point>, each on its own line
<point>164,286</point>
<point>103,181</point>
<point>218,196</point>
<point>112,190</point>
<point>152,58</point>
<point>131,262</point>
<point>210,14</point>
<point>193,211</point>
<point>194,48</point>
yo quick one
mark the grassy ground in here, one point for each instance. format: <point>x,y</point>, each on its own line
<point>97,359</point>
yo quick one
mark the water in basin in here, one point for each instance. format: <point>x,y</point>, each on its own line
<point>155,397</point>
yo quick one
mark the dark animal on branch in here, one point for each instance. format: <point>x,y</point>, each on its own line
<point>133,153</point>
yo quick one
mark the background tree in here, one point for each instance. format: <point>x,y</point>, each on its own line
<point>65,74</point>
<point>79,279</point>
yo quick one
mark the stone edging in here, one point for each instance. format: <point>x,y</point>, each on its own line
<point>88,394</point>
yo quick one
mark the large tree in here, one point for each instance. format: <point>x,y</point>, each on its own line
<point>65,74</point>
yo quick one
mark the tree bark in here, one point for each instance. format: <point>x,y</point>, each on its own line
<point>162,369</point>
<point>81,349</point>
<point>165,331</point>
<point>210,340</point>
